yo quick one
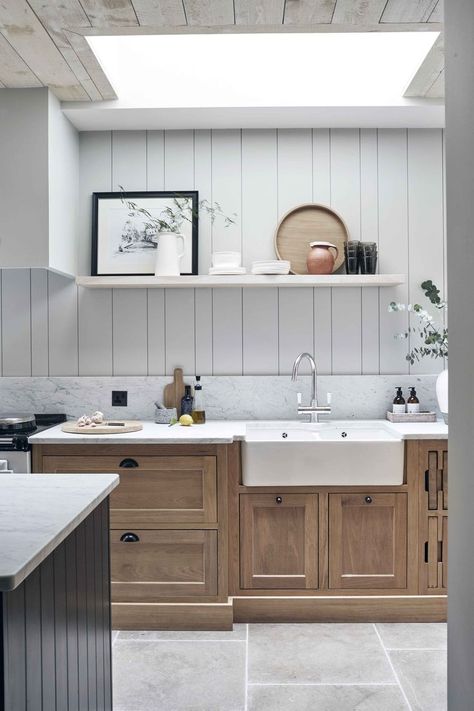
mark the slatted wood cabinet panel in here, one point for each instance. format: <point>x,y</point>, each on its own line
<point>367,540</point>
<point>433,515</point>
<point>147,564</point>
<point>152,489</point>
<point>279,541</point>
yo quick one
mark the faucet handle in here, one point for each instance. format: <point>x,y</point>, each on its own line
<point>298,398</point>
<point>329,398</point>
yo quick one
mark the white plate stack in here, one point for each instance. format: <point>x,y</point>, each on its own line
<point>271,266</point>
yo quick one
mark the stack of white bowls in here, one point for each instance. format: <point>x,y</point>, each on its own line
<point>271,266</point>
<point>226,263</point>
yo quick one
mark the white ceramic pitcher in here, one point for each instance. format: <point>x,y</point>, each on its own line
<point>168,254</point>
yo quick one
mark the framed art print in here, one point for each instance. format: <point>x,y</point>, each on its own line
<point>124,240</point>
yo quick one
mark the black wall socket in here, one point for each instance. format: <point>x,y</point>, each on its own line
<point>119,398</point>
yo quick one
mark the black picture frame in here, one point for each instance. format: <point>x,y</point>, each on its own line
<point>136,196</point>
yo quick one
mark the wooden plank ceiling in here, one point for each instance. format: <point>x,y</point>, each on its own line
<point>42,41</point>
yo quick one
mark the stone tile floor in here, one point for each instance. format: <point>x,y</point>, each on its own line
<point>294,667</point>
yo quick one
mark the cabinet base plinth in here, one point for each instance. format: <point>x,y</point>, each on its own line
<point>172,616</point>
<point>426,608</point>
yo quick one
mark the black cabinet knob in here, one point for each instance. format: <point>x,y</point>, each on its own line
<point>129,537</point>
<point>368,499</point>
<point>279,500</point>
<point>128,463</point>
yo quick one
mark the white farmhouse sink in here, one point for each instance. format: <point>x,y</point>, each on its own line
<point>329,454</point>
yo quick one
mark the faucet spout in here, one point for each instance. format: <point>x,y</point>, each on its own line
<point>313,410</point>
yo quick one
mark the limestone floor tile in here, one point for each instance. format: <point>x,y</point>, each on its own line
<point>321,653</point>
<point>326,698</point>
<point>414,635</point>
<point>179,676</point>
<point>114,635</point>
<point>239,633</point>
<point>423,676</point>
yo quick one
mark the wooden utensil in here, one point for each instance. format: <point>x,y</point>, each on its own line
<point>309,223</point>
<point>173,392</point>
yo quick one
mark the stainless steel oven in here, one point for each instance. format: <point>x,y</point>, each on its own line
<point>15,450</point>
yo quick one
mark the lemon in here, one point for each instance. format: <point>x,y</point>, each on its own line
<point>186,420</point>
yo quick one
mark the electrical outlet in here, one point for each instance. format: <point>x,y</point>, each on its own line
<point>119,398</point>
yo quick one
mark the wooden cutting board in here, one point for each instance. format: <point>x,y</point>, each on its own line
<point>107,427</point>
<point>173,392</point>
<point>309,223</point>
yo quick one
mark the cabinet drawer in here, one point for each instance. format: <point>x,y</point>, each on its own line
<point>147,564</point>
<point>152,490</point>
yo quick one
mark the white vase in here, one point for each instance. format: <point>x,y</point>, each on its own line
<point>442,393</point>
<point>168,254</point>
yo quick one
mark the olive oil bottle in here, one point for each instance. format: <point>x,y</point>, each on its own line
<point>199,413</point>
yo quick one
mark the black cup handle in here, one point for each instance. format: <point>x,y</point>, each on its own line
<point>128,463</point>
<point>129,537</point>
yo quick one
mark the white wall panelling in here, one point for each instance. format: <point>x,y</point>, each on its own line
<point>387,184</point>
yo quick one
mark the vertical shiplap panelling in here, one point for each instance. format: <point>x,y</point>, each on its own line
<point>95,306</point>
<point>155,160</point>
<point>259,218</point>
<point>227,191</point>
<point>179,336</point>
<point>393,244</point>
<point>95,331</point>
<point>203,337</point>
<point>203,184</point>
<point>179,303</point>
<point>129,306</point>
<point>39,322</point>
<point>95,175</point>
<point>227,329</point>
<point>203,297</point>
<point>260,331</point>
<point>155,180</point>
<point>63,331</point>
<point>369,233</point>
<point>16,322</point>
<point>323,296</point>
<point>425,219</point>
<point>295,187</point>
<point>345,199</point>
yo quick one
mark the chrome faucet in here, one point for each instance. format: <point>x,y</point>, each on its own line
<point>313,409</point>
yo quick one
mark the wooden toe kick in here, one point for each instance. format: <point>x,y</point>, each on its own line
<point>394,608</point>
<point>172,616</point>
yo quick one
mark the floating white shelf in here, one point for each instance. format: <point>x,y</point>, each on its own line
<point>246,280</point>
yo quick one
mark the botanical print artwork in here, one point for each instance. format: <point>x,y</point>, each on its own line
<point>125,241</point>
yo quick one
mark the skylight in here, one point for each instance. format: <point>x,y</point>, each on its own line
<point>262,70</point>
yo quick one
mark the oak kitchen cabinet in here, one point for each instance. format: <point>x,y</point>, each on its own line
<point>279,541</point>
<point>168,530</point>
<point>367,541</point>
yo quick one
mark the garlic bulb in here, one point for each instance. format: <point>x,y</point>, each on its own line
<point>98,417</point>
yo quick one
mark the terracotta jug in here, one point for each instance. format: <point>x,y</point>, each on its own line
<point>320,258</point>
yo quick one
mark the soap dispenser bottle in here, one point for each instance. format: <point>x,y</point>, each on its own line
<point>187,401</point>
<point>413,404</point>
<point>399,405</point>
<point>199,412</point>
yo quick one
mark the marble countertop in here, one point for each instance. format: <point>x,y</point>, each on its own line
<point>219,432</point>
<point>37,513</point>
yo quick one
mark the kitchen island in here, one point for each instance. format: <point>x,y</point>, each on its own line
<point>55,591</point>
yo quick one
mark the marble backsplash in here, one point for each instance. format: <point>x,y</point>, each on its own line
<point>226,397</point>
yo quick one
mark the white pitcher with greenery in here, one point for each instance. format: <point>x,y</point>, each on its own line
<point>167,226</point>
<point>434,338</point>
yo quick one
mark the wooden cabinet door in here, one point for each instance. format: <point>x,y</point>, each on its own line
<point>433,516</point>
<point>367,541</point>
<point>147,565</point>
<point>152,490</point>
<point>279,541</point>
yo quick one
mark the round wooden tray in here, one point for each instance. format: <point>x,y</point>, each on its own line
<point>107,427</point>
<point>309,223</point>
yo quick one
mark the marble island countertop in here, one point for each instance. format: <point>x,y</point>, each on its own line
<point>220,432</point>
<point>38,512</point>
